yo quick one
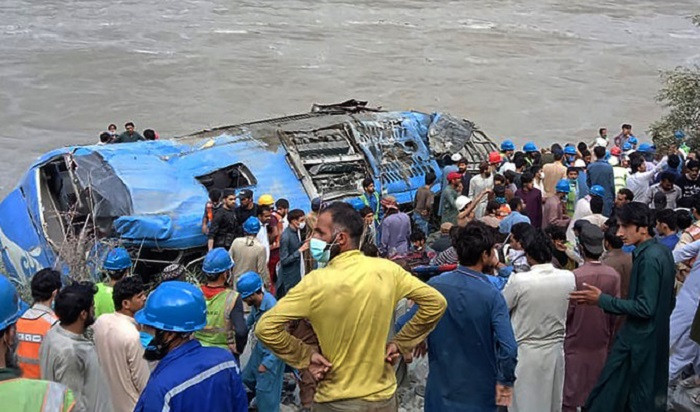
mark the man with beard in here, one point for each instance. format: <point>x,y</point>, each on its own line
<point>67,356</point>
<point>689,184</point>
<point>18,393</point>
<point>479,184</point>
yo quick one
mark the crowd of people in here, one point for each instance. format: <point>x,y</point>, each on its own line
<point>129,135</point>
<point>549,279</point>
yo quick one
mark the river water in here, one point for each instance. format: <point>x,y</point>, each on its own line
<point>539,70</point>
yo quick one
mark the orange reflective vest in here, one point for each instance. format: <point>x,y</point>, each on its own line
<point>31,329</point>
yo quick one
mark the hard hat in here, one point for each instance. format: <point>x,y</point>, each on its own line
<point>11,306</point>
<point>580,163</point>
<point>597,190</point>
<point>356,203</point>
<point>507,145</point>
<point>494,157</point>
<point>529,147</point>
<point>462,202</point>
<point>570,150</point>
<point>645,148</point>
<point>632,140</point>
<point>217,260</point>
<point>456,157</point>
<point>679,134</point>
<point>563,186</point>
<point>251,226</point>
<point>614,161</point>
<point>453,176</point>
<point>248,283</point>
<point>626,147</point>
<point>599,141</point>
<point>616,151</point>
<point>117,259</point>
<point>174,306</point>
<point>266,200</point>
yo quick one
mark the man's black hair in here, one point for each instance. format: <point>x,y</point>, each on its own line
<point>44,283</point>
<point>585,152</point>
<point>126,289</point>
<point>692,164</point>
<point>571,169</point>
<point>554,147</point>
<point>492,206</point>
<point>346,219</point>
<point>538,247</point>
<point>111,125</point>
<point>215,195</point>
<point>526,178</point>
<point>282,204</point>
<point>668,176</point>
<point>581,146</point>
<point>599,152</point>
<point>534,169</point>
<point>295,214</point>
<point>684,219</point>
<point>149,134</point>
<point>510,176</point>
<point>558,154</point>
<point>514,203</point>
<point>667,216</point>
<point>556,232</point>
<point>472,241</point>
<point>430,178</point>
<point>417,235</point>
<point>366,182</point>
<point>626,126</point>
<point>519,162</point>
<point>635,163</point>
<point>673,161</point>
<point>366,210</point>
<point>74,299</point>
<point>660,201</point>
<point>262,209</point>
<point>499,178</point>
<point>597,204</point>
<point>612,238</point>
<point>227,192</point>
<point>600,131</point>
<point>636,214</point>
<point>105,137</point>
<point>522,232</point>
<point>127,124</point>
<point>628,194</point>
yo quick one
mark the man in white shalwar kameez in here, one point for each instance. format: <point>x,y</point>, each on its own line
<point>538,301</point>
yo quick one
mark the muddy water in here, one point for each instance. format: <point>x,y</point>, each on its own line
<point>526,69</point>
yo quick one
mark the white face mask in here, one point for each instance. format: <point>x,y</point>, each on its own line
<point>302,225</point>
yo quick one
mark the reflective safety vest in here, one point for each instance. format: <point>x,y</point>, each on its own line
<point>571,198</point>
<point>103,300</point>
<point>367,203</point>
<point>31,395</point>
<point>31,329</point>
<point>219,325</point>
<point>620,174</point>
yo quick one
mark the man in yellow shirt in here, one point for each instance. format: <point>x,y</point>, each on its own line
<point>350,303</point>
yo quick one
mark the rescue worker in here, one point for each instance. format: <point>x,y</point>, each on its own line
<point>507,150</point>
<point>116,265</point>
<point>225,322</point>
<point>530,150</point>
<point>188,377</point>
<point>370,197</point>
<point>264,372</point>
<point>554,209</point>
<point>569,155</point>
<point>21,394</point>
<point>35,322</point>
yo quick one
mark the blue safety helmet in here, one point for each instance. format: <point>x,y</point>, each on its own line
<point>356,203</point>
<point>248,283</point>
<point>679,134</point>
<point>11,306</point>
<point>626,147</point>
<point>570,150</point>
<point>529,147</point>
<point>117,259</point>
<point>217,261</point>
<point>597,190</point>
<point>251,225</point>
<point>174,306</point>
<point>507,146</point>
<point>563,186</point>
<point>645,148</point>
<point>632,140</point>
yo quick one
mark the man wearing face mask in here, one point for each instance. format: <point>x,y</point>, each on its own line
<point>292,246</point>
<point>70,358</point>
<point>225,327</point>
<point>189,377</point>
<point>350,303</point>
<point>17,393</point>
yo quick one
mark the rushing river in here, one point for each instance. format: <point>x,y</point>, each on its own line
<point>540,70</point>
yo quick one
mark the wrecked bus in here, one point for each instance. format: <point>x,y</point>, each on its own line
<point>76,202</point>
